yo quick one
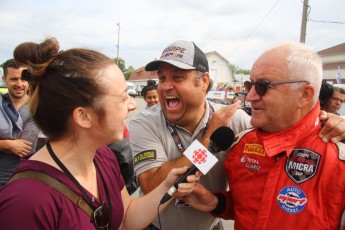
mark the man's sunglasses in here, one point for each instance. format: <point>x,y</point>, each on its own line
<point>261,86</point>
<point>101,218</point>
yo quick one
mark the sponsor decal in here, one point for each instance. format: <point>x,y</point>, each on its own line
<point>292,200</point>
<point>145,155</point>
<point>251,164</point>
<point>302,165</point>
<point>255,149</point>
<point>200,156</point>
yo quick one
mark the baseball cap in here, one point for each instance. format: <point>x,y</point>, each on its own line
<point>183,55</point>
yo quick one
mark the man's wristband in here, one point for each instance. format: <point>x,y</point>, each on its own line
<point>221,205</point>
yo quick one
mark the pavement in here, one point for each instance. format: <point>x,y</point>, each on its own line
<point>141,104</point>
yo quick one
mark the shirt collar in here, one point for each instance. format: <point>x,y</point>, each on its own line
<point>287,140</point>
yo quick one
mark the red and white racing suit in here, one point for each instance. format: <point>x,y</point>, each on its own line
<point>286,180</point>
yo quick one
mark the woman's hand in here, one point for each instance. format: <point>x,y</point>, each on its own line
<point>183,188</point>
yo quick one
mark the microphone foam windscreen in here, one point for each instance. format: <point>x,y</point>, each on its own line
<point>223,137</point>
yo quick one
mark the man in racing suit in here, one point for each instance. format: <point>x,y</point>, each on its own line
<point>281,175</point>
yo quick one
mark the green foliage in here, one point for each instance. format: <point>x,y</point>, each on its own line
<point>237,70</point>
<point>122,65</point>
<point>128,72</point>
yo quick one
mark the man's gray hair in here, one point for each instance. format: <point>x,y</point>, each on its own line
<point>304,64</point>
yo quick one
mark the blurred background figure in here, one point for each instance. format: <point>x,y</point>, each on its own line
<point>331,98</point>
<point>150,94</point>
<point>18,132</point>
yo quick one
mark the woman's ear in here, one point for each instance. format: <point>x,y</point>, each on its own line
<point>82,117</point>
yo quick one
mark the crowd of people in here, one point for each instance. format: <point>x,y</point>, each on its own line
<point>280,169</point>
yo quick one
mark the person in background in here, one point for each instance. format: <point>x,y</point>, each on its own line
<point>150,94</point>
<point>281,171</point>
<point>122,151</point>
<point>80,102</point>
<point>333,103</point>
<point>18,132</point>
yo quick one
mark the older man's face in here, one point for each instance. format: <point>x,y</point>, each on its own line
<point>276,110</point>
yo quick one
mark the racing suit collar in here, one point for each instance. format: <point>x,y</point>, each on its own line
<point>287,140</point>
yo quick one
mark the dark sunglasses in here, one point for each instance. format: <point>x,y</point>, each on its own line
<point>101,218</point>
<point>261,86</point>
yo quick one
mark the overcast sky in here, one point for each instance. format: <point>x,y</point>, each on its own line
<point>240,30</point>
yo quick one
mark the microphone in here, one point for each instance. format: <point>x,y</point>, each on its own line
<point>220,140</point>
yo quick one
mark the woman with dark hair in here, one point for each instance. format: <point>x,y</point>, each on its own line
<point>150,94</point>
<point>80,102</point>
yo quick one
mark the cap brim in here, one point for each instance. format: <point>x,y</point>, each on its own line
<point>154,65</point>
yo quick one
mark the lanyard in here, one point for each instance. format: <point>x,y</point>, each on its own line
<point>71,177</point>
<point>175,136</point>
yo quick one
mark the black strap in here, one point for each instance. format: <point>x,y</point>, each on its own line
<point>81,189</point>
<point>175,136</point>
<point>58,186</point>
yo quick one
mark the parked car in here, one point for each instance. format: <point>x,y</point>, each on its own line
<point>3,88</point>
<point>131,90</point>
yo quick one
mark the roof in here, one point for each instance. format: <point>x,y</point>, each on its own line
<point>333,50</point>
<point>142,74</point>
<point>216,53</point>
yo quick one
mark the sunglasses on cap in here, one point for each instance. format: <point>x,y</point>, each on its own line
<point>101,217</point>
<point>261,86</point>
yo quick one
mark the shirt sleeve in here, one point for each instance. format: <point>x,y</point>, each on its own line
<point>147,144</point>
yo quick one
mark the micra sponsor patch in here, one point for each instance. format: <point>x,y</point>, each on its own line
<point>302,165</point>
<point>292,199</point>
<point>255,149</point>
<point>145,155</point>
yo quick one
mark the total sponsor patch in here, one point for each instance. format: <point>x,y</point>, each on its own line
<point>251,163</point>
<point>302,165</point>
<point>292,199</point>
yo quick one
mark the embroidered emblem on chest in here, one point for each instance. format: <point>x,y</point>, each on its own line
<point>302,165</point>
<point>292,199</point>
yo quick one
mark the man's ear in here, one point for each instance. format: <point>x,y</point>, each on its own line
<point>4,79</point>
<point>206,81</point>
<point>82,117</point>
<point>307,95</point>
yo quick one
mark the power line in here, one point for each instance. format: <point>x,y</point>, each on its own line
<point>326,21</point>
<point>255,29</point>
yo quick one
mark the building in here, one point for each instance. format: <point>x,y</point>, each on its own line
<point>333,59</point>
<point>219,68</point>
<point>139,78</point>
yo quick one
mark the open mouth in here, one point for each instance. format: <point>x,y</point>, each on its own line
<point>172,101</point>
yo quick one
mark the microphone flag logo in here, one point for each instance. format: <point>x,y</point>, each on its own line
<point>199,156</point>
<point>203,159</point>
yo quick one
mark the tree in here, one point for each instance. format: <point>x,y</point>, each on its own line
<point>122,65</point>
<point>237,70</point>
<point>128,72</point>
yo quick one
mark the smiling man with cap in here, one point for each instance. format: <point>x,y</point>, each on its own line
<point>160,133</point>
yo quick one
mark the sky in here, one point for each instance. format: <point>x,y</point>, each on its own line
<point>238,30</point>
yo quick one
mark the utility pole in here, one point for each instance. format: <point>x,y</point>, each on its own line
<point>118,43</point>
<point>304,21</point>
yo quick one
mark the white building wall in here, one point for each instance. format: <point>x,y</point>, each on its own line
<point>219,69</point>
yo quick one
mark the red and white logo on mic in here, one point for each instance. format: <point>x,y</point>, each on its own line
<point>200,157</point>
